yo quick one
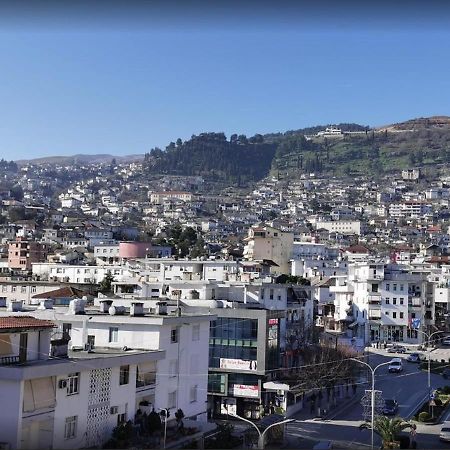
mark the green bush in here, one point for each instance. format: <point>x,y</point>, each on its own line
<point>438,402</point>
<point>445,390</point>
<point>424,417</point>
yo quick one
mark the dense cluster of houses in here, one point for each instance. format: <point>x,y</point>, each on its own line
<point>99,323</point>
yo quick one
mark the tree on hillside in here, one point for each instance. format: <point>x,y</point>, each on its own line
<point>106,283</point>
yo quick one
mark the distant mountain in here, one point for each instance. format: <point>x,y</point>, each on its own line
<point>80,159</point>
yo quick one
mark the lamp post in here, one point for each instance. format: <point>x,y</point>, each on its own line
<point>166,415</point>
<point>373,370</point>
<point>429,353</point>
<point>261,434</point>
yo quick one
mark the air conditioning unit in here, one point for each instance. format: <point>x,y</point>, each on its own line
<point>114,410</point>
<point>62,384</point>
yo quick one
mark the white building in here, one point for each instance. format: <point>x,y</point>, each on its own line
<point>340,226</point>
<point>63,402</point>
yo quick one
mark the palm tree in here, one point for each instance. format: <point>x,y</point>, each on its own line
<point>388,429</point>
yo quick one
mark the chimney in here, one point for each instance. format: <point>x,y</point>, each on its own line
<point>105,305</point>
<point>15,306</point>
<point>137,309</point>
<point>161,308</point>
<point>116,310</point>
<point>76,306</point>
<point>46,304</point>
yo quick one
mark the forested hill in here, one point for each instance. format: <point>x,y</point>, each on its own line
<point>356,150</point>
<point>237,160</point>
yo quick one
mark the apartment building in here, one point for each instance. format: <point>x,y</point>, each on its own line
<point>268,243</point>
<point>52,398</point>
<point>160,197</point>
<point>23,253</point>
<point>390,302</point>
<point>340,226</point>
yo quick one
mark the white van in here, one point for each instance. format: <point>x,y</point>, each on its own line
<point>396,365</point>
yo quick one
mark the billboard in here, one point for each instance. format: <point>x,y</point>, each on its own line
<point>245,390</point>
<point>238,364</point>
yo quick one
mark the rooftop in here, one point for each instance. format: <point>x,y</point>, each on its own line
<point>23,322</point>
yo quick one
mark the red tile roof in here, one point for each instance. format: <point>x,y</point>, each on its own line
<point>64,292</point>
<point>25,322</point>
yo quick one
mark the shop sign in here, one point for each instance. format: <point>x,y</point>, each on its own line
<point>238,364</point>
<point>245,390</point>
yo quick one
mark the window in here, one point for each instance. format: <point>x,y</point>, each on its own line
<point>173,368</point>
<point>70,430</point>
<point>121,418</point>
<point>73,383</point>
<point>23,289</point>
<point>271,294</point>
<point>401,301</point>
<point>394,315</point>
<point>387,313</point>
<point>13,288</point>
<point>124,375</point>
<point>388,286</point>
<point>193,394</point>
<point>66,329</point>
<point>196,332</point>
<point>395,287</point>
<point>113,334</point>
<point>401,315</point>
<point>387,301</point>
<point>394,301</point>
<point>4,288</point>
<point>33,289</point>
<point>174,336</point>
<point>401,287</point>
<point>172,401</point>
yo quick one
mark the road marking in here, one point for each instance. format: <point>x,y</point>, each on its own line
<point>416,406</point>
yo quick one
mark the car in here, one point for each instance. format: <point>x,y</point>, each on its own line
<point>446,373</point>
<point>415,357</point>
<point>396,365</point>
<point>397,349</point>
<point>446,341</point>
<point>444,435</point>
<point>390,407</point>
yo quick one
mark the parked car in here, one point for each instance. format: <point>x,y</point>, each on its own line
<point>397,349</point>
<point>446,373</point>
<point>415,357</point>
<point>390,407</point>
<point>444,435</point>
<point>396,365</point>
<point>446,341</point>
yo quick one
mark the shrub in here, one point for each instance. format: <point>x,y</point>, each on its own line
<point>424,417</point>
<point>438,401</point>
<point>445,390</point>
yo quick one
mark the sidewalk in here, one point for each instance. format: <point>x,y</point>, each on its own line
<point>341,403</point>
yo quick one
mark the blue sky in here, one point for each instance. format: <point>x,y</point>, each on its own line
<point>86,88</point>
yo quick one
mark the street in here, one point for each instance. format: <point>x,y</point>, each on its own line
<point>409,388</point>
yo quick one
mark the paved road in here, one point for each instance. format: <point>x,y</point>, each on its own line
<point>409,388</point>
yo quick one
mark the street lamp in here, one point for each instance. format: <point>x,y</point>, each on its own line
<point>429,353</point>
<point>260,435</point>
<point>372,420</point>
<point>166,415</point>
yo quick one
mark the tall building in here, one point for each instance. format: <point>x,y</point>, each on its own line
<point>22,253</point>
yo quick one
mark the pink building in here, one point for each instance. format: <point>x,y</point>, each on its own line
<point>22,253</point>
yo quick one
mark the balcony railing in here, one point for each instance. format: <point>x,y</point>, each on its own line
<point>8,360</point>
<point>146,380</point>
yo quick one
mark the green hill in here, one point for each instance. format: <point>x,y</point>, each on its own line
<point>211,155</point>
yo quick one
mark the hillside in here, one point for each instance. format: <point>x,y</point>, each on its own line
<point>235,161</point>
<point>419,142</point>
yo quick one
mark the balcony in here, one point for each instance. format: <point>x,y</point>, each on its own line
<point>374,298</point>
<point>146,381</point>
<point>9,360</point>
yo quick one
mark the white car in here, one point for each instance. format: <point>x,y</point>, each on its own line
<point>396,365</point>
<point>444,435</point>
